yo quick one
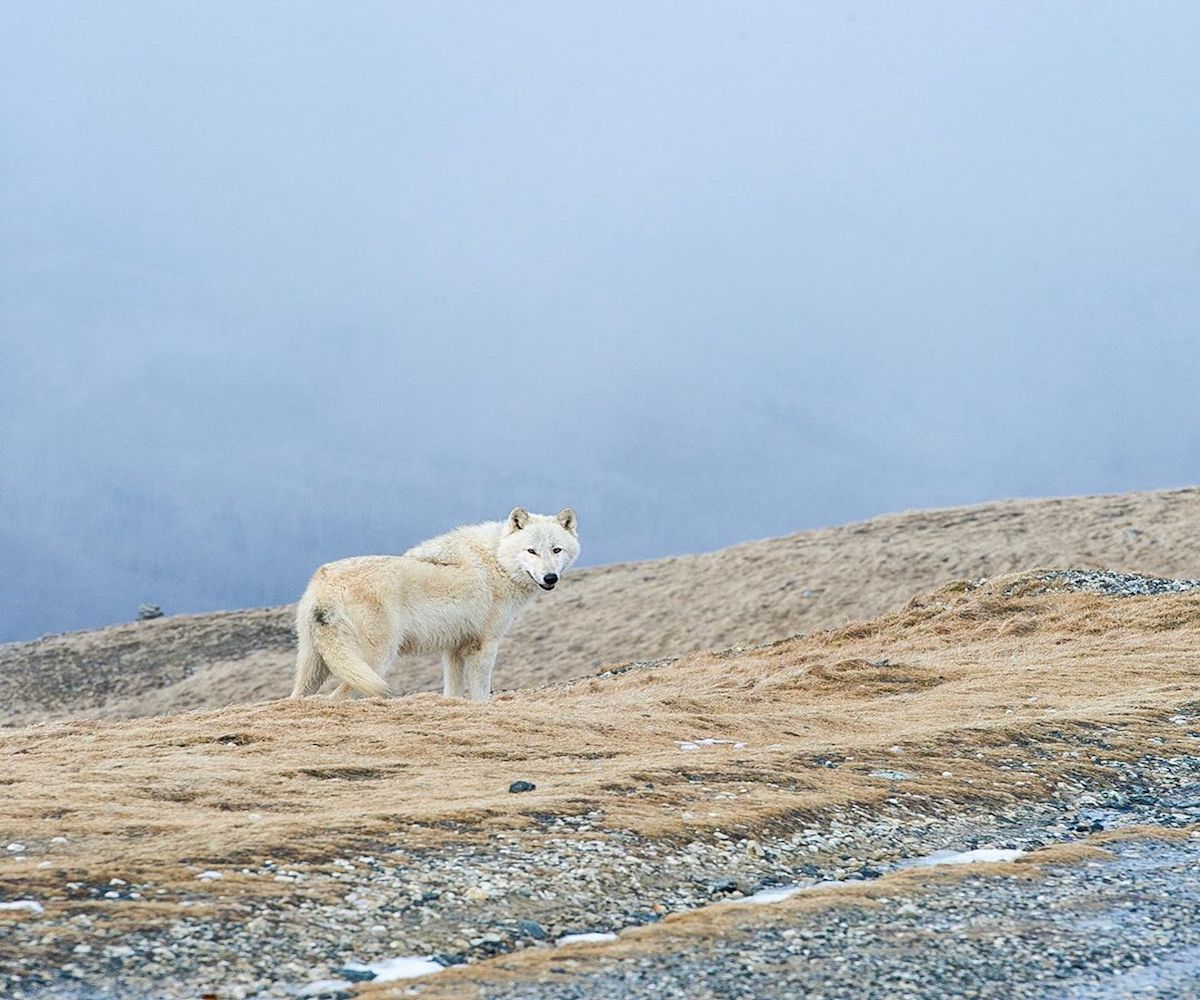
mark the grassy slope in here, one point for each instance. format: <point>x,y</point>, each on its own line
<point>745,594</point>
<point>959,679</point>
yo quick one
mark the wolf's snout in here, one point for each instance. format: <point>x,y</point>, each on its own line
<point>550,579</point>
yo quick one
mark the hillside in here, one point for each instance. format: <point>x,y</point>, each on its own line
<point>251,850</point>
<point>745,594</point>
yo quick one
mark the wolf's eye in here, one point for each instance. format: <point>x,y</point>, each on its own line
<point>556,551</point>
<point>532,552</point>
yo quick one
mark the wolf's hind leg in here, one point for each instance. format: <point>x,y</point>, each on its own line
<point>349,662</point>
<point>453,683</point>
<point>311,670</point>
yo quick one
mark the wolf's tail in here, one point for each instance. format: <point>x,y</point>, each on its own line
<point>328,645</point>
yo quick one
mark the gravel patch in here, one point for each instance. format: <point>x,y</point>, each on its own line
<point>1119,584</point>
<point>1114,929</point>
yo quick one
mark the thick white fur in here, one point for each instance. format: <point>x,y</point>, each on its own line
<point>456,594</point>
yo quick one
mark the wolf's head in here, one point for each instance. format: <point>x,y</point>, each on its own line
<point>538,547</point>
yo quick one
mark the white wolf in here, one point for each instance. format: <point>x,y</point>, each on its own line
<point>456,594</point>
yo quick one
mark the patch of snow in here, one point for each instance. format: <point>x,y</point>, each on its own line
<point>709,742</point>
<point>319,987</point>
<point>580,938</point>
<point>209,876</point>
<point>979,856</point>
<point>772,895</point>
<point>402,967</point>
<point>32,905</point>
<point>776,893</point>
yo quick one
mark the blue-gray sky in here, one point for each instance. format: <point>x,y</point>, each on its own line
<point>289,281</point>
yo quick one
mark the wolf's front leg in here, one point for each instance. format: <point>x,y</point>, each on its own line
<point>477,670</point>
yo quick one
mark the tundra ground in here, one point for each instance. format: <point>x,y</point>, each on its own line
<point>256,849</point>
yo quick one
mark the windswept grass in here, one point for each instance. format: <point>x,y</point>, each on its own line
<point>746,594</point>
<point>943,686</point>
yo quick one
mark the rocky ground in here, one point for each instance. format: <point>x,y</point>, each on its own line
<point>468,903</point>
<point>1124,926</point>
<point>1117,584</point>
<point>487,903</point>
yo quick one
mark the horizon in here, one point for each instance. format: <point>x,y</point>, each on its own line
<point>583,564</point>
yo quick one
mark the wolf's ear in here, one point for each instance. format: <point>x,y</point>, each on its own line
<point>517,519</point>
<point>566,517</point>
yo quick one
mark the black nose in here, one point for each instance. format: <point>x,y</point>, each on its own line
<point>551,578</point>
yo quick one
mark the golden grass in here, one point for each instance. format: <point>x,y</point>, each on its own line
<point>749,593</point>
<point>945,680</point>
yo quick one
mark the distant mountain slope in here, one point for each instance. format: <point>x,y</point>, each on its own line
<point>748,593</point>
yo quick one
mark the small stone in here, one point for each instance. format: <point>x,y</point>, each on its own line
<point>14,848</point>
<point>516,786</point>
<point>356,973</point>
<point>531,928</point>
<point>148,611</point>
<point>27,905</point>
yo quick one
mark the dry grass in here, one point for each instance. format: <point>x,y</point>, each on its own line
<point>947,680</point>
<point>749,593</point>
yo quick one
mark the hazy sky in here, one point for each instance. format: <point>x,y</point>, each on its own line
<point>289,281</point>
